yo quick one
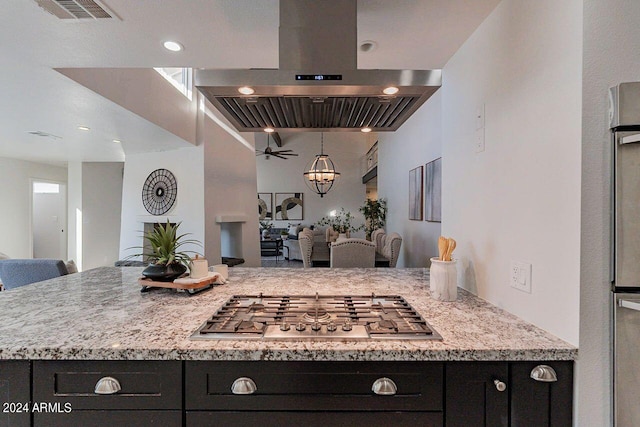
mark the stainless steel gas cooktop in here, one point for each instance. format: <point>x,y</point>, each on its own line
<point>316,317</point>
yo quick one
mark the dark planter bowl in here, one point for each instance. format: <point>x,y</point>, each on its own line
<point>164,273</point>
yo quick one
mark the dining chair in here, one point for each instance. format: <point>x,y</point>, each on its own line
<point>20,272</point>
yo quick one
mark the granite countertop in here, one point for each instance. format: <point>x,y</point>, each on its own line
<point>101,314</point>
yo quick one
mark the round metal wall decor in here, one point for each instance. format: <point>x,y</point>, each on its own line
<point>159,192</point>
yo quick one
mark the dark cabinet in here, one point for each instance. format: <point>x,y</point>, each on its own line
<point>477,394</point>
<point>505,394</point>
<point>15,393</point>
<point>287,393</point>
<point>540,403</point>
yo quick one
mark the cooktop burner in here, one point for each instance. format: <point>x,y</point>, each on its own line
<point>277,317</point>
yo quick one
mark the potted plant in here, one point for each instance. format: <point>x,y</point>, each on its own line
<point>284,234</point>
<point>341,222</point>
<point>375,215</point>
<point>265,228</point>
<point>168,262</point>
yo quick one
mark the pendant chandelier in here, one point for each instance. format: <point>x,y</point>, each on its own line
<point>320,174</point>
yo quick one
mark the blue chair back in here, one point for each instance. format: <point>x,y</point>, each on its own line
<point>19,272</point>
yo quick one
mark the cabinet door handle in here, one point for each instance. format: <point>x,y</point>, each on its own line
<point>107,385</point>
<point>384,387</point>
<point>500,386</point>
<point>544,373</point>
<point>243,385</point>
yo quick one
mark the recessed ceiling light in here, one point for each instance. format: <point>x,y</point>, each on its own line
<point>84,128</point>
<point>368,46</point>
<point>117,141</point>
<point>391,90</point>
<point>269,130</point>
<point>365,130</point>
<point>246,90</point>
<point>172,46</point>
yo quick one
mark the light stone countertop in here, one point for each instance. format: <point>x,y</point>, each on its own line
<point>102,315</point>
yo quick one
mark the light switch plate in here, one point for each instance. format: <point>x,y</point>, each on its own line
<point>520,275</point>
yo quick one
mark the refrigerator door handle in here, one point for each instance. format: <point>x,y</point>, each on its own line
<point>629,304</point>
<point>630,139</point>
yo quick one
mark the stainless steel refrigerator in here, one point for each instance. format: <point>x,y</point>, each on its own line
<point>625,253</point>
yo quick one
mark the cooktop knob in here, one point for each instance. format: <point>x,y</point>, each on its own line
<point>301,327</point>
<point>284,326</point>
<point>347,325</point>
<point>316,326</point>
<point>331,327</point>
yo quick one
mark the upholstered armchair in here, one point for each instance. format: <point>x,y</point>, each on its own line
<point>305,240</point>
<point>377,237</point>
<point>351,253</point>
<point>19,272</point>
<point>391,248</point>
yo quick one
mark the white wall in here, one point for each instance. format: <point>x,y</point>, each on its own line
<point>102,206</point>
<point>187,166</point>
<point>15,218</point>
<point>230,187</point>
<point>416,143</point>
<point>285,176</point>
<point>520,198</point>
<point>74,213</point>
<point>611,56</point>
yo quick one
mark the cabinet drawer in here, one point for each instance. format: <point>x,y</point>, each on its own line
<point>334,386</point>
<point>314,419</point>
<point>110,419</point>
<point>144,384</point>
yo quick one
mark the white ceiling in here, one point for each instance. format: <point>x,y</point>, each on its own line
<point>411,34</point>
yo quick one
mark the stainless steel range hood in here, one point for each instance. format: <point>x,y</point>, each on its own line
<point>318,86</point>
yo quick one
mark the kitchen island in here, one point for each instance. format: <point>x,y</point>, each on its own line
<point>100,321</point>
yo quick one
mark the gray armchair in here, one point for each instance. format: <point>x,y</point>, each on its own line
<point>350,253</point>
<point>391,248</point>
<point>19,272</point>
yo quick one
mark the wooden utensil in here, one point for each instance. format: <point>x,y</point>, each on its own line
<point>451,245</point>
<point>442,247</point>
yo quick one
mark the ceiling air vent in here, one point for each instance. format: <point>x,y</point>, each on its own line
<point>76,9</point>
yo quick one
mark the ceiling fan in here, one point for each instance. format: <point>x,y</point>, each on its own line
<point>271,152</point>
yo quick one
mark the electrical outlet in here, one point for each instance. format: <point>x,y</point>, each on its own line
<point>479,140</point>
<point>520,276</point>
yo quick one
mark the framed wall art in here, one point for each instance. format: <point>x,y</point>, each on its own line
<point>433,190</point>
<point>415,193</point>
<point>265,206</point>
<point>289,206</point>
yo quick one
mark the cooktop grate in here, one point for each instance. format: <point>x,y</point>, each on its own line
<point>316,317</point>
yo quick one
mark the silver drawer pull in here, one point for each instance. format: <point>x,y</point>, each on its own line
<point>500,386</point>
<point>107,385</point>
<point>243,385</point>
<point>384,387</point>
<point>544,373</point>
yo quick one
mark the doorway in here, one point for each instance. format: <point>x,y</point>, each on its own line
<point>49,219</point>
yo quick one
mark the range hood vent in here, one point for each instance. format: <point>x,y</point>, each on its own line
<point>317,87</point>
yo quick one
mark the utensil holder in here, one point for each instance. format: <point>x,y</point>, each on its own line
<point>198,268</point>
<point>443,280</point>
